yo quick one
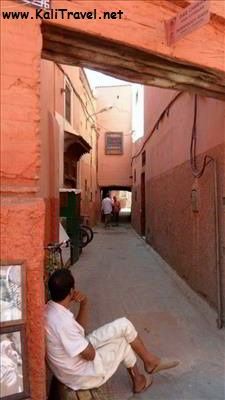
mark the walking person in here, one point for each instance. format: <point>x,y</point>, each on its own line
<point>83,361</point>
<point>107,207</point>
<point>116,210</point>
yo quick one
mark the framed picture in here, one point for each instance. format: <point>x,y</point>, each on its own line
<point>12,294</point>
<point>13,377</point>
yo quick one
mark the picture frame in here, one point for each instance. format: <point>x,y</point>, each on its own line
<point>14,381</point>
<point>12,293</point>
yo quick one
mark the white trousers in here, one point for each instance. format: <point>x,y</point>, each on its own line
<point>112,345</point>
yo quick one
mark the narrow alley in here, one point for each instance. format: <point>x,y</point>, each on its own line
<point>112,162</point>
<point>123,276</point>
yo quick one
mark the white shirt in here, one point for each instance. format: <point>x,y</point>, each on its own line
<point>107,205</point>
<point>65,340</point>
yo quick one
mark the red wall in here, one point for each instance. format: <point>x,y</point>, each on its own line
<point>49,169</point>
<point>186,239</point>
<point>22,207</point>
<point>23,204</point>
<point>114,170</point>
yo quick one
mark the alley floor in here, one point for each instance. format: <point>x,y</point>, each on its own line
<point>123,276</point>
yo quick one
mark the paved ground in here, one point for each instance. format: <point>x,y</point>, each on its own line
<point>124,277</point>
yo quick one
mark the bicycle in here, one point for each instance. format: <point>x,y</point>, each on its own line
<point>55,259</point>
<point>86,235</point>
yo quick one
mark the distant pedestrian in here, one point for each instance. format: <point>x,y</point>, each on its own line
<point>107,207</point>
<point>116,210</point>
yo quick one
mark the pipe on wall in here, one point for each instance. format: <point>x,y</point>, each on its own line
<point>198,173</point>
<point>217,249</point>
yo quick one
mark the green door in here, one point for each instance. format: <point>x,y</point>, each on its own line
<point>70,211</point>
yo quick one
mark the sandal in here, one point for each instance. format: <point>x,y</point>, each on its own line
<point>148,383</point>
<point>164,363</point>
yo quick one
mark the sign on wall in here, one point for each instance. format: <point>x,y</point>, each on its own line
<point>38,3</point>
<point>191,18</point>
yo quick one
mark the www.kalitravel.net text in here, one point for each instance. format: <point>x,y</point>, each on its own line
<point>62,13</point>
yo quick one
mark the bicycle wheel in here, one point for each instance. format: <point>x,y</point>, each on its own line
<point>84,238</point>
<point>89,231</point>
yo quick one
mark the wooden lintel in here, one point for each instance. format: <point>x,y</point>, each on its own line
<point>129,63</point>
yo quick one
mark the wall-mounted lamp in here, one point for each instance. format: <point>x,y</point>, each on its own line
<point>100,111</point>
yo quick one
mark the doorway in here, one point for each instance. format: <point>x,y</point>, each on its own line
<point>143,204</point>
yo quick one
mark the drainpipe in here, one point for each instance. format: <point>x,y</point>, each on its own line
<point>198,173</point>
<point>217,249</point>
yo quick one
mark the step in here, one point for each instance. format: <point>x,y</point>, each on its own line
<point>58,391</point>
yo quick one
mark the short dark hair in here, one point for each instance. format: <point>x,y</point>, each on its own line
<point>60,283</point>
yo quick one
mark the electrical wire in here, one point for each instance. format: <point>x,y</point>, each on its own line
<point>197,173</point>
<point>82,102</point>
<point>193,159</point>
<point>156,125</point>
<point>75,91</point>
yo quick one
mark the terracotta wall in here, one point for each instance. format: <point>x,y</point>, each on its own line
<point>22,206</point>
<point>186,239</point>
<point>49,182</point>
<point>203,46</point>
<point>54,125</point>
<point>114,169</point>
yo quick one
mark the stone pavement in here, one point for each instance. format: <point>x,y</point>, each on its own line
<point>123,276</point>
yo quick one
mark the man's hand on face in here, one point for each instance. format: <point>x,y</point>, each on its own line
<point>79,297</point>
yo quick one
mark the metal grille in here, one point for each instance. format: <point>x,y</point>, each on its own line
<point>114,143</point>
<point>15,294</point>
<point>68,103</point>
<point>38,3</point>
<point>143,158</point>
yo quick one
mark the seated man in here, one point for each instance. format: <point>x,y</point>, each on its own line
<point>86,362</point>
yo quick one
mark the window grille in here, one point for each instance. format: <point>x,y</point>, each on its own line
<point>38,3</point>
<point>143,158</point>
<point>68,103</point>
<point>114,143</point>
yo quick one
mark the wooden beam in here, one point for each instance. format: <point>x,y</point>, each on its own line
<point>129,63</point>
<point>142,27</point>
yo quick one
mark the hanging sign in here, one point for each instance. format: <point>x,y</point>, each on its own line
<point>46,4</point>
<point>191,18</point>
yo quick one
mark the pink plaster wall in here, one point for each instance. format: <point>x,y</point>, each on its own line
<point>22,207</point>
<point>184,238</point>
<point>49,172</point>
<point>52,144</point>
<point>203,46</point>
<point>114,169</point>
